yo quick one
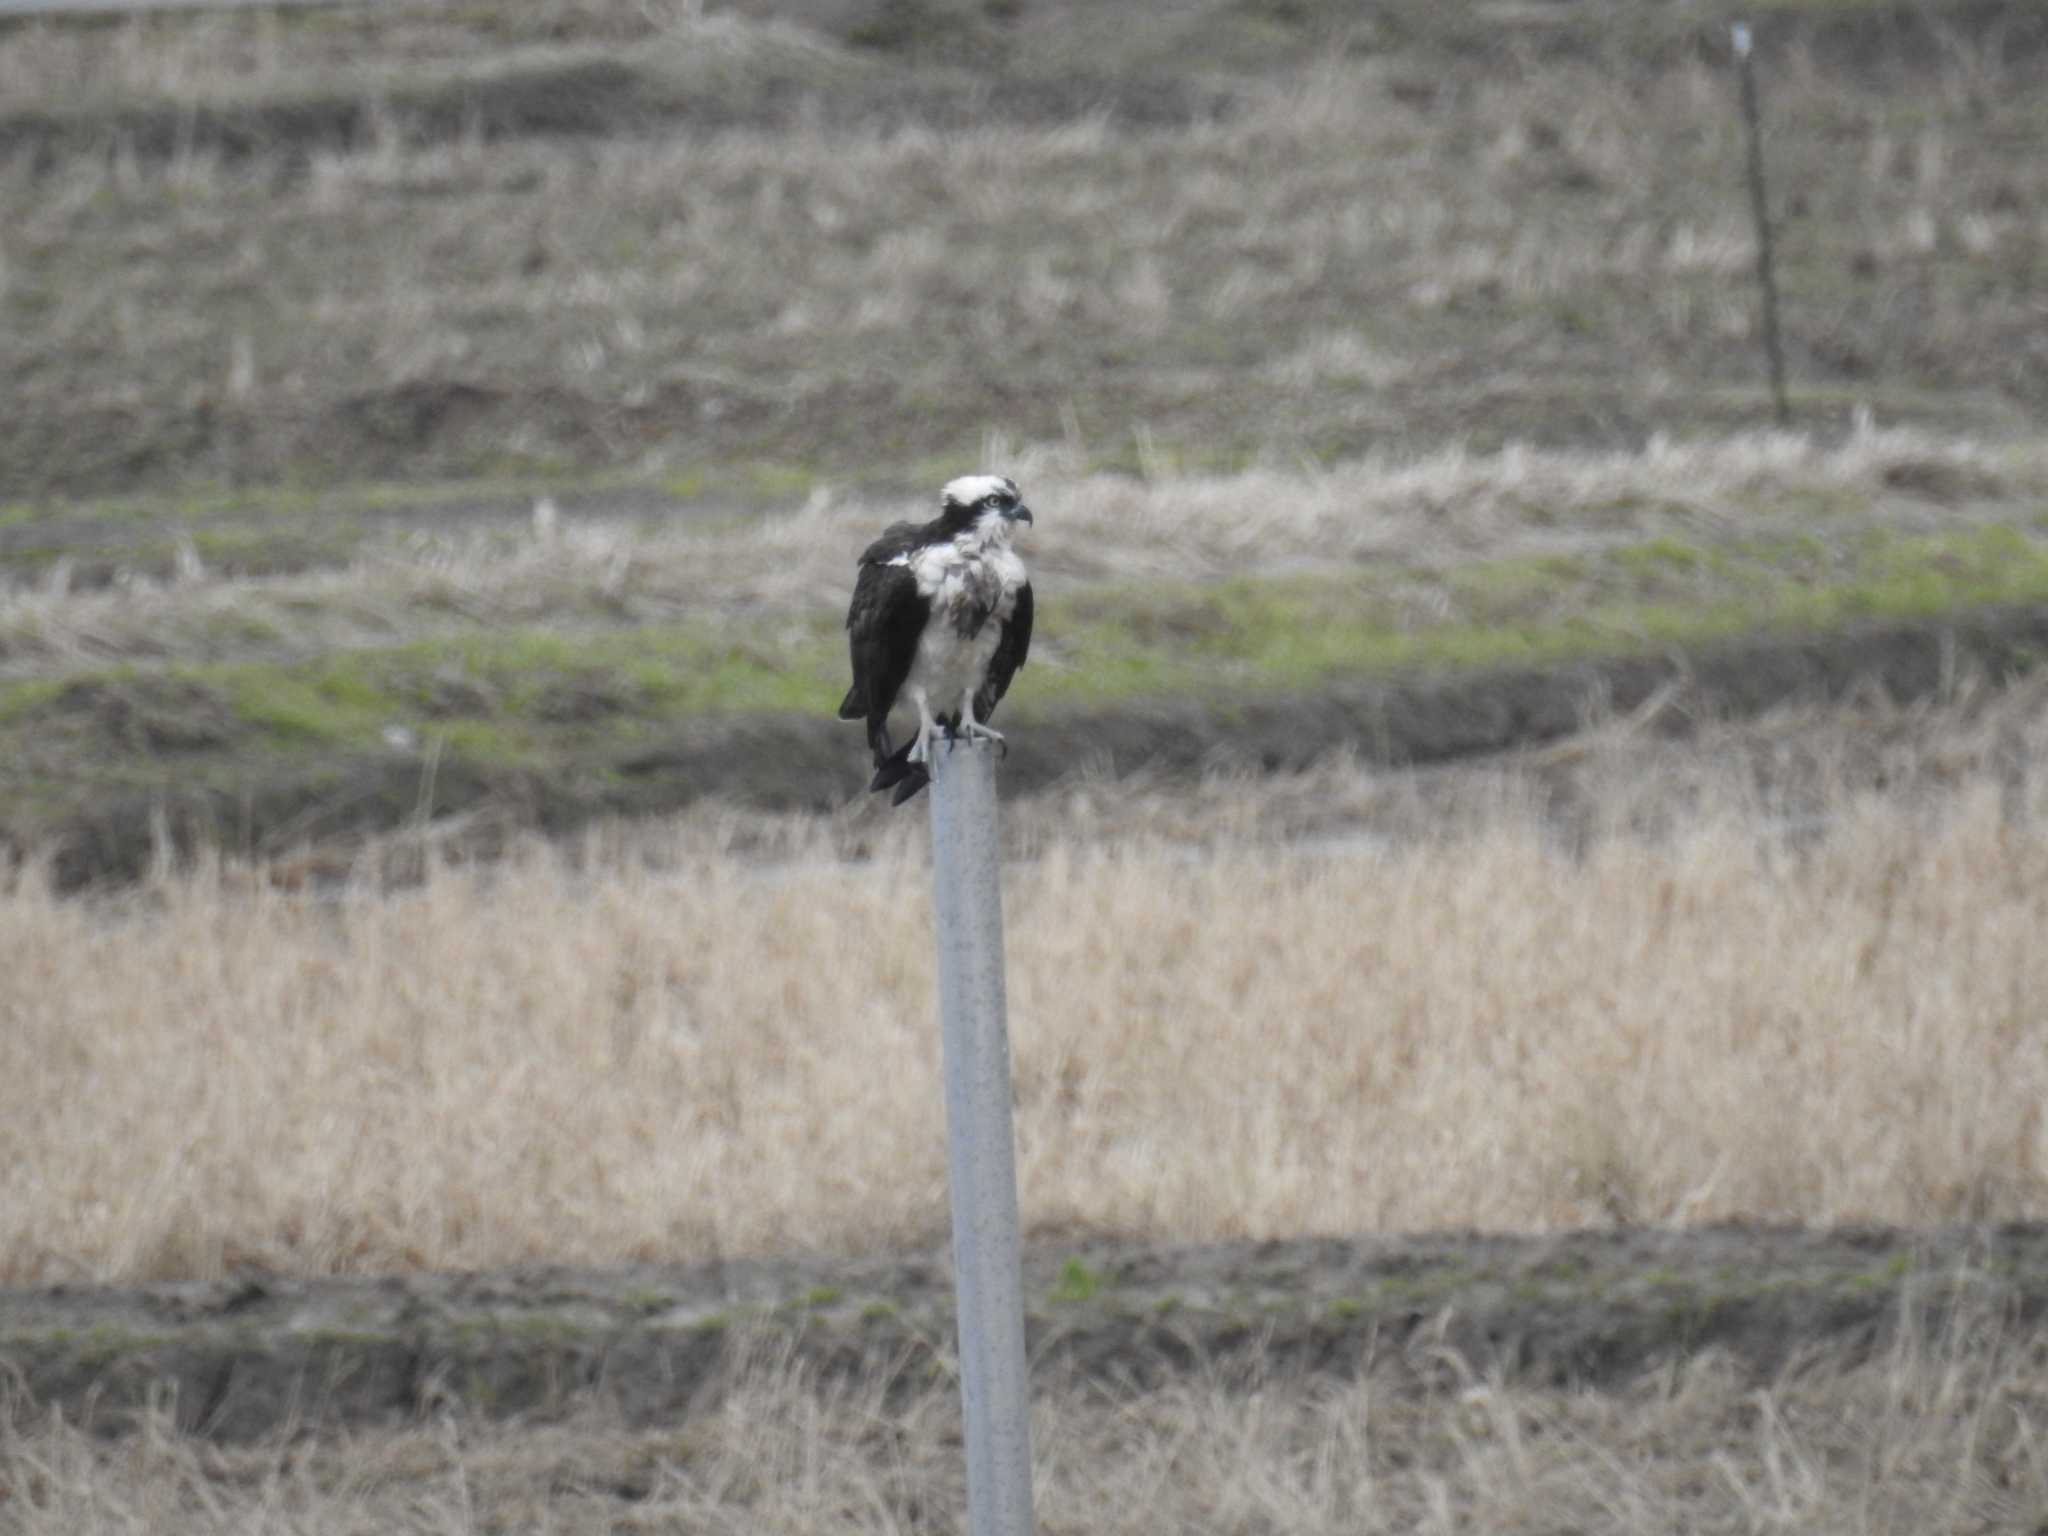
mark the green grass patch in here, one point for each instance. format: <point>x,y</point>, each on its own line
<point>550,702</point>
<point>1299,632</point>
<point>509,694</point>
<point>514,698</point>
<point>199,502</point>
<point>1076,1282</point>
<point>764,481</point>
<point>26,699</point>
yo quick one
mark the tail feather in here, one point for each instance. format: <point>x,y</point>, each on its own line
<point>896,771</point>
<point>853,706</point>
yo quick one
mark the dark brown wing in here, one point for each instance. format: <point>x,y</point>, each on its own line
<point>883,626</point>
<point>1010,653</point>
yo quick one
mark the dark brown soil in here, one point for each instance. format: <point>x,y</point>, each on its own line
<point>240,1357</point>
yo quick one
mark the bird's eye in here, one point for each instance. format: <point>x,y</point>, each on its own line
<point>991,502</point>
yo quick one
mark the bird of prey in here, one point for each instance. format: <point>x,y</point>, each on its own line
<point>941,621</point>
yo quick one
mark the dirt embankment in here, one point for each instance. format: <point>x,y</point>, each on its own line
<point>793,762</point>
<point>240,1357</point>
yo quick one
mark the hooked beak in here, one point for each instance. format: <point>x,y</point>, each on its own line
<point>1019,513</point>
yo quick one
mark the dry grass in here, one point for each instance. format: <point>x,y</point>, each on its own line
<point>1362,250</point>
<point>682,1046</point>
<point>58,64</point>
<point>1422,514</point>
<point>1941,1434</point>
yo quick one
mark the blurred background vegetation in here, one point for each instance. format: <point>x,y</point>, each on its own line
<point>291,300</point>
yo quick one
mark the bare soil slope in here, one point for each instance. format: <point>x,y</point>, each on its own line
<point>785,762</point>
<point>1592,1309</point>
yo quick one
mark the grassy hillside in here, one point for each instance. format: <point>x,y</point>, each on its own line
<point>427,407</point>
<point>596,661</point>
<point>623,239</point>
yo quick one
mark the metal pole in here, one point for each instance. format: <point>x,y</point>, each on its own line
<point>981,1155</point>
<point>1760,210</point>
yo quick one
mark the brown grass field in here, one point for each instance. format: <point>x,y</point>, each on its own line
<point>1485,1017</point>
<point>1462,1083</point>
<point>1940,1433</point>
<point>1467,1012</point>
<point>1618,983</point>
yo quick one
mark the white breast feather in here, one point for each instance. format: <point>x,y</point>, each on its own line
<point>949,667</point>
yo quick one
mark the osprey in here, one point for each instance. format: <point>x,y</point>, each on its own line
<point>941,620</point>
